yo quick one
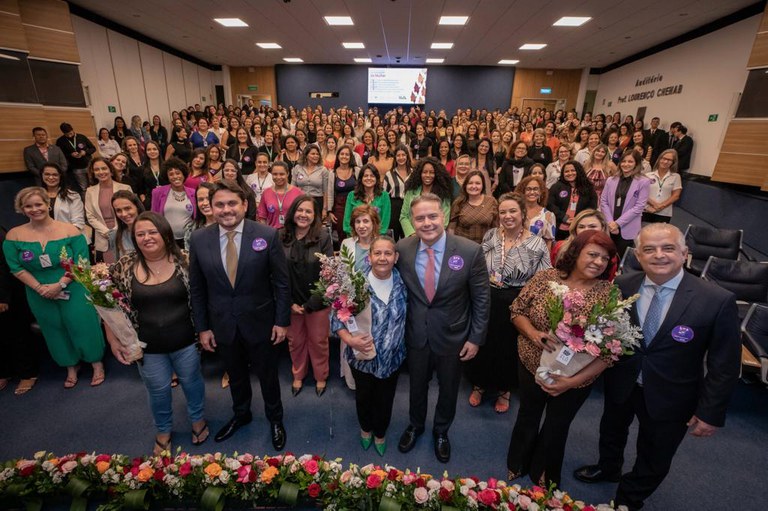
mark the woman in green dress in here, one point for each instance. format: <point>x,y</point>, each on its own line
<point>68,321</point>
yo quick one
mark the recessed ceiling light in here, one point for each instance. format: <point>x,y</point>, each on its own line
<point>293,60</point>
<point>509,62</point>
<point>353,46</point>
<point>231,22</point>
<point>269,46</point>
<point>532,46</point>
<point>363,60</point>
<point>442,46</point>
<point>435,61</point>
<point>338,20</point>
<point>453,20</point>
<point>571,21</point>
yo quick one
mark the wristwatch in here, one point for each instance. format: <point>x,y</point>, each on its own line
<point>63,285</point>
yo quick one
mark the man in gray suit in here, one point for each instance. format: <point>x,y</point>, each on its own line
<point>448,303</point>
<point>40,153</point>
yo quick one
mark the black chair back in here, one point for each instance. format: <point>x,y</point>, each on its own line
<point>705,241</point>
<point>629,262</point>
<point>754,331</point>
<point>748,280</point>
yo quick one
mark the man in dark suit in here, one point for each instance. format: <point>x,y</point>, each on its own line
<point>78,151</point>
<point>681,376</point>
<point>448,304</point>
<point>241,304</point>
<point>657,138</point>
<point>40,153</point>
<point>684,146</point>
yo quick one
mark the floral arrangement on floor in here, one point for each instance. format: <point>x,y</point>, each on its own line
<point>211,481</point>
<point>605,331</point>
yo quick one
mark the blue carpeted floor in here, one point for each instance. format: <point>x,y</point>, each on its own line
<point>730,467</point>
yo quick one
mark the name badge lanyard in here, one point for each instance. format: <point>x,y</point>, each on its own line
<point>280,216</point>
<point>73,142</point>
<point>661,184</point>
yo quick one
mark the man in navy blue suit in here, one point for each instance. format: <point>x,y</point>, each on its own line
<point>681,377</point>
<point>241,304</point>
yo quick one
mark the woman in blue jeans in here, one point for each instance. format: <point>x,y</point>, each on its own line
<point>155,281</point>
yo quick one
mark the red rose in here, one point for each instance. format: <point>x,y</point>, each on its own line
<point>316,457</point>
<point>135,471</point>
<point>313,490</point>
<point>159,474</point>
<point>103,457</point>
<point>373,481</point>
<point>488,497</point>
<point>185,469</point>
<point>445,494</point>
<point>420,482</point>
<point>588,508</point>
<point>331,487</point>
<point>27,470</point>
<point>136,462</point>
<point>273,462</point>
<point>392,476</point>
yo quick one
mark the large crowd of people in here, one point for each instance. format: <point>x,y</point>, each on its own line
<point>460,223</point>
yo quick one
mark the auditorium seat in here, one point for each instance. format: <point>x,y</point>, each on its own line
<point>748,280</point>
<point>755,334</point>
<point>705,241</point>
<point>629,262</point>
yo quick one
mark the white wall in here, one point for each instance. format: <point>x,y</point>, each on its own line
<point>137,79</point>
<point>712,71</point>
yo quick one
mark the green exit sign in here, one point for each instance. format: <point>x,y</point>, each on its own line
<point>253,87</point>
<point>712,118</point>
<point>111,109</point>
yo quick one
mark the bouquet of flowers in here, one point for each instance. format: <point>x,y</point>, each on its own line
<point>605,331</point>
<point>346,291</point>
<point>109,303</point>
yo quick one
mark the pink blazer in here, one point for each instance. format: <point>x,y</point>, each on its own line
<point>631,215</point>
<point>161,193</point>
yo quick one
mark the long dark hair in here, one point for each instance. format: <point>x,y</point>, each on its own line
<point>463,197</point>
<point>200,218</point>
<point>442,186</point>
<point>172,250</point>
<point>64,189</point>
<point>288,232</point>
<point>582,183</point>
<point>360,188</point>
<point>121,227</point>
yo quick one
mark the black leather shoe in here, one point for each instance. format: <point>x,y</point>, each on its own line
<point>595,474</point>
<point>278,436</point>
<point>231,427</point>
<point>408,439</point>
<point>442,447</point>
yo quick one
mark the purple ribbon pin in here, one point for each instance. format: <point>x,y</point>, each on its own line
<point>563,194</point>
<point>259,244</point>
<point>27,256</point>
<point>682,333</point>
<point>189,208</point>
<point>456,263</point>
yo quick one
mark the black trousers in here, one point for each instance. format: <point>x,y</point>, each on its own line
<point>19,348</point>
<point>653,218</point>
<point>263,357</point>
<point>621,244</point>
<point>657,443</point>
<point>421,363</point>
<point>394,223</point>
<point>539,450</point>
<point>373,399</point>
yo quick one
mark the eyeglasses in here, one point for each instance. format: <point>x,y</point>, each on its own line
<point>532,190</point>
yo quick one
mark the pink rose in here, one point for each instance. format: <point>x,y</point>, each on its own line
<point>68,466</point>
<point>488,497</point>
<point>245,459</point>
<point>373,481</point>
<point>524,501</point>
<point>420,495</point>
<point>311,467</point>
<point>593,350</point>
<point>185,469</point>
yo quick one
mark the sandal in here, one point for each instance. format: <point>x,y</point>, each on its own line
<point>4,383</point>
<point>225,381</point>
<point>511,475</point>
<point>25,386</point>
<point>161,447</point>
<point>476,396</point>
<point>98,379</point>
<point>71,381</point>
<point>174,381</point>
<point>502,402</point>
<point>199,437</point>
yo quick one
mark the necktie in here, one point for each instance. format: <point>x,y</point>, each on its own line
<point>231,257</point>
<point>652,317</point>
<point>429,275</point>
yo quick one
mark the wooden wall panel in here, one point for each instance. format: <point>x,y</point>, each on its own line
<point>263,77</point>
<point>52,44</point>
<point>764,23</point>
<point>19,121</point>
<point>12,155</point>
<point>746,137</point>
<point>12,35</point>
<point>11,6</point>
<point>81,120</point>
<point>759,55</point>
<point>46,13</point>
<point>563,82</point>
<point>744,169</point>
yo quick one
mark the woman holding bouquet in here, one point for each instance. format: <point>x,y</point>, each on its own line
<point>302,237</point>
<point>538,450</point>
<point>155,282</point>
<point>68,321</point>
<point>376,379</point>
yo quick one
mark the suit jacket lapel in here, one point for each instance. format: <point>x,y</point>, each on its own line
<point>245,248</point>
<point>445,270</point>
<point>214,249</point>
<point>683,297</point>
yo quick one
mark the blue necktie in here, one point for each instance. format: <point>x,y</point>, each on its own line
<point>653,316</point>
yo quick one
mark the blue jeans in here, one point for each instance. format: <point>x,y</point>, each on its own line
<point>157,371</point>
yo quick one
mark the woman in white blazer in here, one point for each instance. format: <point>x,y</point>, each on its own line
<point>66,205</point>
<point>98,205</point>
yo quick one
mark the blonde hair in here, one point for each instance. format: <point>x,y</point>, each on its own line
<point>26,193</point>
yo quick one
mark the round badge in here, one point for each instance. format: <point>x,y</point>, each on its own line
<point>563,194</point>
<point>259,244</point>
<point>80,146</point>
<point>271,208</point>
<point>653,181</point>
<point>27,256</point>
<point>189,208</point>
<point>246,159</point>
<point>300,177</point>
<point>456,263</point>
<point>682,333</point>
<point>636,194</point>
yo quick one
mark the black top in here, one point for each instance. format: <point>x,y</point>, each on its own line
<point>541,154</point>
<point>165,321</point>
<point>182,150</point>
<point>119,136</point>
<point>512,171</point>
<point>304,269</point>
<point>245,157</point>
<point>160,136</point>
<point>76,144</point>
<point>621,195</point>
<point>134,176</point>
<point>420,148</point>
<point>271,152</point>
<point>560,199</point>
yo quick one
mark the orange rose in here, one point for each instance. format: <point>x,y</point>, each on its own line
<point>54,461</point>
<point>213,470</point>
<point>102,466</point>
<point>268,474</point>
<point>145,474</point>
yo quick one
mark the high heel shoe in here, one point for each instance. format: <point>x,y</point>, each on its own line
<point>366,442</point>
<point>381,448</point>
<point>320,389</point>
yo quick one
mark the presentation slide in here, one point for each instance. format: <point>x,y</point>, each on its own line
<point>397,85</point>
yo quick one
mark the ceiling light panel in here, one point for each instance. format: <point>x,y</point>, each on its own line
<point>435,61</point>
<point>442,46</point>
<point>269,46</point>
<point>363,60</point>
<point>571,21</point>
<point>338,20</point>
<point>353,46</point>
<point>231,22</point>
<point>508,62</point>
<point>533,46</point>
<point>293,60</point>
<point>453,20</point>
